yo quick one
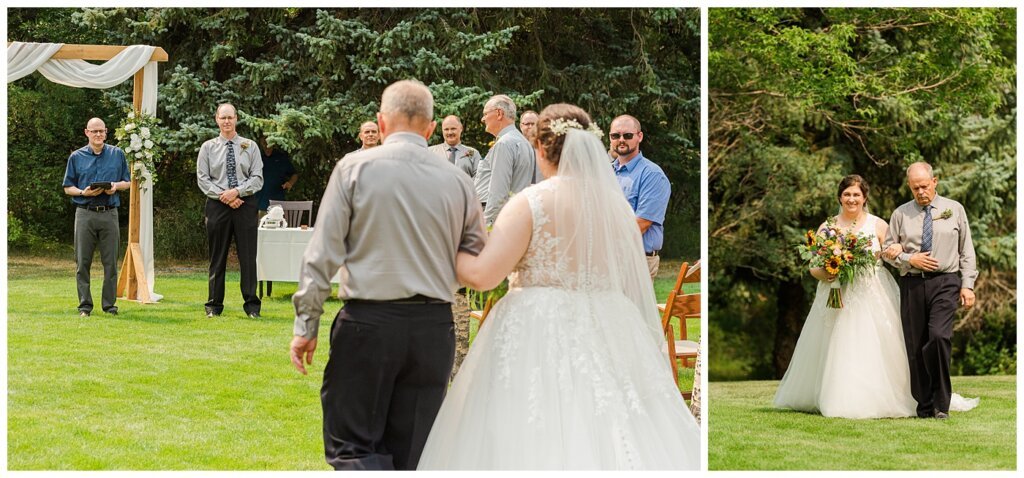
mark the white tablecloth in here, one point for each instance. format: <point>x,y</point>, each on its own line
<point>279,254</point>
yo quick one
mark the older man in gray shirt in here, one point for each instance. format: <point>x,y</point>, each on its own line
<point>511,165</point>
<point>929,240</point>
<point>392,219</point>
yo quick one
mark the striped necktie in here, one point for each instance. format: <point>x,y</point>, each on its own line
<point>926,230</point>
<point>232,177</point>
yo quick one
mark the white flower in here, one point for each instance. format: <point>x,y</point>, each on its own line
<point>560,126</point>
<point>129,127</point>
<point>127,150</point>
<point>148,144</point>
<point>131,115</point>
<point>145,132</point>
<point>138,155</point>
<point>149,155</point>
<point>136,137</point>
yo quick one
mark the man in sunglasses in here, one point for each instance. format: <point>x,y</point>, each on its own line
<point>645,185</point>
<point>94,175</point>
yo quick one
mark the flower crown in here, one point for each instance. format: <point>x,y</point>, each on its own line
<point>560,126</point>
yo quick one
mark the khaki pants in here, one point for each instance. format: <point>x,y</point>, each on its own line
<point>652,263</point>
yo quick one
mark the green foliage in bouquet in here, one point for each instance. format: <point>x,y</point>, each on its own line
<point>840,253</point>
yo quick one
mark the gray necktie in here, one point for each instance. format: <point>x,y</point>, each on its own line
<point>451,154</point>
<point>232,178</point>
<point>926,230</point>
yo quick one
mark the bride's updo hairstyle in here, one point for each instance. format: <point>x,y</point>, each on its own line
<point>547,139</point>
<point>854,180</point>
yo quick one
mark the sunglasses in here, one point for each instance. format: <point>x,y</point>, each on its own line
<point>625,136</point>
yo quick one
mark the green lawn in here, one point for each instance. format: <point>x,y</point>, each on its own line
<point>158,387</point>
<point>746,433</point>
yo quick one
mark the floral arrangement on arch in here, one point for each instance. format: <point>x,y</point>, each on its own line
<point>141,138</point>
<point>840,253</point>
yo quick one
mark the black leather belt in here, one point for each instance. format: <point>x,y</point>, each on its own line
<point>416,299</point>
<point>95,208</point>
<point>651,254</point>
<point>927,275</point>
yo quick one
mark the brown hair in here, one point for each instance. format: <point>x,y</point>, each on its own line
<point>547,139</point>
<point>853,180</point>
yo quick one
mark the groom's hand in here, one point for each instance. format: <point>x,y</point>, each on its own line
<point>923,261</point>
<point>302,348</point>
<point>967,298</point>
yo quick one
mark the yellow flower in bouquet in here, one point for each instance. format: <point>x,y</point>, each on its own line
<point>840,253</point>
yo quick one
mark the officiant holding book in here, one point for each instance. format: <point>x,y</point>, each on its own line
<point>94,175</point>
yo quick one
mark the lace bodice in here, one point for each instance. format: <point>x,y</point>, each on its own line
<point>540,266</point>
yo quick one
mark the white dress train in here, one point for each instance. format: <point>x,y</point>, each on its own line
<point>561,378</point>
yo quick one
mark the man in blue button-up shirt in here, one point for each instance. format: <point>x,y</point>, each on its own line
<point>96,224</point>
<point>644,183</point>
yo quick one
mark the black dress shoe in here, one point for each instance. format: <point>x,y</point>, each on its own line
<point>83,313</point>
<point>254,315</point>
<point>112,311</point>
<point>941,415</point>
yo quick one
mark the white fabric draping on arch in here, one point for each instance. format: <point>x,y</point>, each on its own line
<point>25,58</point>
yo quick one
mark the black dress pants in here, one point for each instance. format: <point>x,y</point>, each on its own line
<point>222,225</point>
<point>928,306</point>
<point>384,382</point>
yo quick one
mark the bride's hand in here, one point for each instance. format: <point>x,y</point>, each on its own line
<point>892,251</point>
<point>820,274</point>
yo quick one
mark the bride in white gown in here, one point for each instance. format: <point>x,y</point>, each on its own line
<point>852,362</point>
<point>569,370</point>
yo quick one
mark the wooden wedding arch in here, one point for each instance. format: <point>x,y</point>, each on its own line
<point>131,283</point>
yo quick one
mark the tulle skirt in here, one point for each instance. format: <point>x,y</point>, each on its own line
<point>561,379</point>
<point>851,362</point>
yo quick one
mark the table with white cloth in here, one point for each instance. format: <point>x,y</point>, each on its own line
<point>279,255</point>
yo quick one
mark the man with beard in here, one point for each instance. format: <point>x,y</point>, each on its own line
<point>645,185</point>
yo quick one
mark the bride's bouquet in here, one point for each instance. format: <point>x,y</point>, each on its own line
<point>840,253</point>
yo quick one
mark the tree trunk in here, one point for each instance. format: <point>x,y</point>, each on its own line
<point>791,302</point>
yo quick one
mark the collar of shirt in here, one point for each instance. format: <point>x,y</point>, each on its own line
<point>933,205</point>
<point>630,166</point>
<point>506,130</point>
<point>458,147</point>
<point>236,140</point>
<point>88,149</point>
<point>405,137</point>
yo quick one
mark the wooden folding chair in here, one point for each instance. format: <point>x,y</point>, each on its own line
<point>685,306</point>
<point>481,315</point>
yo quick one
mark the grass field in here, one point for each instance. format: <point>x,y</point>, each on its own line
<point>746,433</point>
<point>160,387</point>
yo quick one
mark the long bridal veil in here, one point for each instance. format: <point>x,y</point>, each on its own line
<point>596,231</point>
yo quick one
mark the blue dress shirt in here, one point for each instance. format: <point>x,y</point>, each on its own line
<point>86,167</point>
<point>647,190</point>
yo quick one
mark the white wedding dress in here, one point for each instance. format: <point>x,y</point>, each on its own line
<point>852,362</point>
<point>566,372</point>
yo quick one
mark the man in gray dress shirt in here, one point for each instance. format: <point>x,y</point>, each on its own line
<point>511,165</point>
<point>929,240</point>
<point>392,219</point>
<point>230,173</point>
<point>452,149</point>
